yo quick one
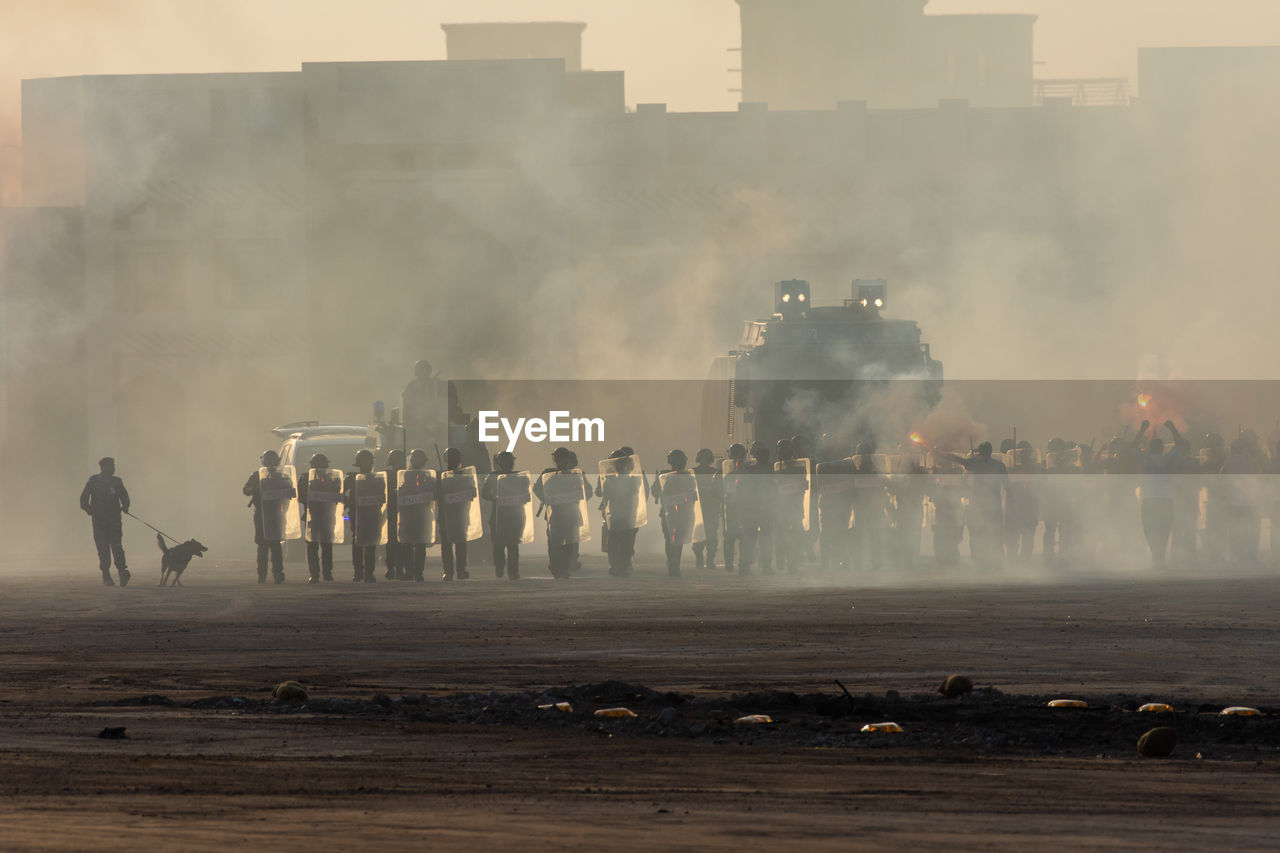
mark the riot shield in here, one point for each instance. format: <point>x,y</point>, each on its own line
<point>278,503</point>
<point>1022,464</point>
<point>324,506</point>
<point>460,504</point>
<point>416,506</point>
<point>794,485</point>
<point>681,512</point>
<point>623,493</point>
<point>564,496</point>
<point>512,520</point>
<point>732,475</point>
<point>369,514</point>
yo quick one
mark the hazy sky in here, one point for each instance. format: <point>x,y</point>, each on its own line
<point>673,51</point>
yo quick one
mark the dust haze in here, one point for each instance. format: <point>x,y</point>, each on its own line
<point>353,220</point>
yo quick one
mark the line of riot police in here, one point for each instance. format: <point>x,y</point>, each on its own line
<point>864,510</point>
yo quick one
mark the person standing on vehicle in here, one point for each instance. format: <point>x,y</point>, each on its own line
<point>103,499</point>
<point>273,547</point>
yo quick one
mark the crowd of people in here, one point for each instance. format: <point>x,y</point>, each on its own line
<point>762,509</point>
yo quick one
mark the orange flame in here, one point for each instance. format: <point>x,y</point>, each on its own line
<point>916,438</point>
<point>1143,400</point>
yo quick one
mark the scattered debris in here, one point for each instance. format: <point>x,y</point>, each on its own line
<point>753,719</point>
<point>1241,711</point>
<point>669,716</point>
<point>886,728</point>
<point>290,691</point>
<point>1156,708</point>
<point>1068,703</point>
<point>1158,742</point>
<point>557,706</point>
<point>955,685</point>
<point>113,733</point>
<point>615,713</point>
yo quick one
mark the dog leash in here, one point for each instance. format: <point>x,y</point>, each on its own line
<point>176,540</point>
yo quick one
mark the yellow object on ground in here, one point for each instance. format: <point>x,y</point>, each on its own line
<point>1241,711</point>
<point>1157,707</point>
<point>754,718</point>
<point>882,727</point>
<point>1068,703</point>
<point>615,712</point>
<point>559,706</point>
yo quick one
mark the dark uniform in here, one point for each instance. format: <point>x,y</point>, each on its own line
<point>453,541</point>
<point>318,522</point>
<point>564,520</point>
<point>711,496</point>
<point>757,505</point>
<point>507,516</point>
<point>104,498</point>
<point>396,565</point>
<point>266,547</point>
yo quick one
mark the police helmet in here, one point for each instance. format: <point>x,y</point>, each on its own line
<point>270,457</point>
<point>1007,445</point>
<point>705,456</point>
<point>737,450</point>
<point>563,453</point>
<point>319,461</point>
<point>418,458</point>
<point>864,448</point>
<point>364,458</point>
<point>984,449</point>
<point>759,450</point>
<point>395,459</point>
<point>505,460</point>
<point>677,457</point>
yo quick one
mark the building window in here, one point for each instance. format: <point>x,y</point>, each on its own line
<point>150,276</point>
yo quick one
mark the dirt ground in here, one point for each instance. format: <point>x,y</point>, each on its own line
<point>422,729</point>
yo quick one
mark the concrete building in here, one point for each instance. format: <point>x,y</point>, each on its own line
<point>812,54</point>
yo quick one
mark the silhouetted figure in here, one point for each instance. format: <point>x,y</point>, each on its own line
<point>757,535</point>
<point>396,565</point>
<point>833,484</point>
<point>269,541</point>
<point>510,522</point>
<point>676,490</point>
<point>623,494</point>
<point>1156,489</point>
<point>103,499</point>
<point>989,482</point>
<point>366,509</point>
<point>791,481</point>
<point>458,514</point>
<point>416,513</point>
<point>563,492</point>
<point>320,494</point>
<point>870,508</point>
<point>711,496</point>
<point>734,489</point>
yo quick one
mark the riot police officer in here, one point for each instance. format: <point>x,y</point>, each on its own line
<point>791,481</point>
<point>563,492</point>
<point>734,492</point>
<point>396,567</point>
<point>711,497</point>
<point>676,490</point>
<point>323,515</point>
<point>367,512</point>
<point>273,547</point>
<point>757,538</point>
<point>509,496</point>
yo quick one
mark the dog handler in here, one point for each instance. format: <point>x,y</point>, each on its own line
<point>104,498</point>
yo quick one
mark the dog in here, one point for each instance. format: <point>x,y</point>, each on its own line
<point>175,559</point>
